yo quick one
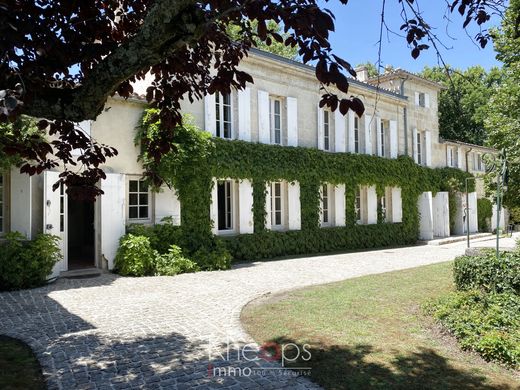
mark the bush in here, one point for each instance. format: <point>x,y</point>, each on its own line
<point>487,323</point>
<point>485,212</point>
<point>161,236</point>
<point>135,256</point>
<point>173,263</point>
<point>215,258</point>
<point>487,273</point>
<point>27,264</point>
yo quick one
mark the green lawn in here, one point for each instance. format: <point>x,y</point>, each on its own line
<point>19,368</point>
<point>370,332</point>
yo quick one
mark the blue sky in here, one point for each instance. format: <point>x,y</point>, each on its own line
<point>357,34</point>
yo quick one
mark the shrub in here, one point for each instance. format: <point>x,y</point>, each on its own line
<point>161,236</point>
<point>487,323</point>
<point>215,258</point>
<point>487,273</point>
<point>485,212</point>
<point>135,256</point>
<point>27,264</point>
<point>173,263</point>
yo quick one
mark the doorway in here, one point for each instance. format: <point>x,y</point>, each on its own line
<point>80,236</point>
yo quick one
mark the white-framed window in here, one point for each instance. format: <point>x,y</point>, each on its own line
<point>326,130</point>
<point>276,120</point>
<point>449,157</point>
<point>356,135</point>
<point>226,202</point>
<point>2,202</point>
<point>62,208</point>
<point>477,162</point>
<point>357,205</point>
<point>422,99</point>
<point>326,205</point>
<point>278,208</point>
<point>138,200</point>
<point>382,138</point>
<point>223,110</point>
<point>383,206</point>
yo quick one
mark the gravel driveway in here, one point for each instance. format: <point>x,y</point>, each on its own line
<point>113,332</point>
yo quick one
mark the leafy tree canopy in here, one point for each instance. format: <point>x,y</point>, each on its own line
<point>462,104</point>
<point>62,59</point>
<point>503,111</point>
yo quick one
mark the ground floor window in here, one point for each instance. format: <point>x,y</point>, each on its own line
<point>278,205</point>
<point>225,201</point>
<point>138,200</point>
<point>327,205</point>
<point>357,205</point>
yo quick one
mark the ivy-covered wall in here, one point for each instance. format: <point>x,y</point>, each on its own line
<point>198,158</point>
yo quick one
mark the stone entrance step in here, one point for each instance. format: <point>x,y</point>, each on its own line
<point>81,273</point>
<point>452,239</point>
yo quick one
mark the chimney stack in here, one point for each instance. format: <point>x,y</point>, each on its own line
<point>362,73</point>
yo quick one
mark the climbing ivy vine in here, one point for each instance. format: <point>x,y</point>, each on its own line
<point>197,158</point>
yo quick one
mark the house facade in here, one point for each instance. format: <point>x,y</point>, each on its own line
<point>280,108</point>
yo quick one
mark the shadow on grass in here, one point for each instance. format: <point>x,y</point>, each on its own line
<point>340,367</point>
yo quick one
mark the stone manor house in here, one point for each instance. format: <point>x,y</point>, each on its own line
<point>281,107</point>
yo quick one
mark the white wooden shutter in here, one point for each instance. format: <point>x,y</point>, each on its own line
<point>210,118</point>
<point>448,156</point>
<point>417,99</point>
<point>368,134</point>
<point>20,205</point>
<point>293,207</point>
<point>427,100</point>
<point>292,121</point>
<point>245,207</point>
<point>51,217</point>
<point>264,126</point>
<point>339,205</point>
<point>320,129</point>
<point>379,132</point>
<point>113,204</point>
<point>371,205</point>
<point>425,205</point>
<point>339,135</point>
<point>428,147</point>
<point>397,205</point>
<point>459,158</point>
<point>268,222</point>
<point>415,134</point>
<point>244,114</point>
<point>167,205</point>
<point>213,209</point>
<point>394,140</point>
<point>351,124</point>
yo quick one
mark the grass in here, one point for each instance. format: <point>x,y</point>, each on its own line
<point>370,332</point>
<point>19,368</point>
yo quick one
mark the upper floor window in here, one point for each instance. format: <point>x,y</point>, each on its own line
<point>418,145</point>
<point>276,121</point>
<point>450,157</point>
<point>138,200</point>
<point>225,201</point>
<point>382,139</point>
<point>223,115</point>
<point>356,134</point>
<point>326,130</point>
<point>477,162</point>
<point>2,186</point>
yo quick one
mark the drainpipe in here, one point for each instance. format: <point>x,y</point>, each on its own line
<point>405,119</point>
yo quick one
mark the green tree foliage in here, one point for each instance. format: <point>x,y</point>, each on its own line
<point>275,47</point>
<point>462,104</point>
<point>20,135</point>
<point>503,110</point>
